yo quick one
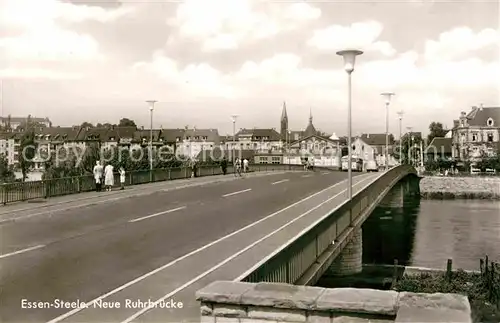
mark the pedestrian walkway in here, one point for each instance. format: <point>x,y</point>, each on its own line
<point>9,211</point>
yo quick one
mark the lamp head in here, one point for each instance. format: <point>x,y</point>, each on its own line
<point>349,56</point>
<point>233,117</point>
<point>151,104</point>
<point>387,96</point>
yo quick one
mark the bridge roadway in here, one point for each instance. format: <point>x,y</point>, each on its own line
<point>161,245</point>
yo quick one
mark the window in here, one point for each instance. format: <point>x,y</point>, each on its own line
<point>490,137</point>
<point>196,138</point>
<point>205,138</point>
<point>474,137</point>
<point>490,122</point>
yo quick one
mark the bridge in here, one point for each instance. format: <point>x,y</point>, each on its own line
<point>140,255</point>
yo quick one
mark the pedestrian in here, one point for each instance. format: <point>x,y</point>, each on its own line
<point>237,170</point>
<point>122,178</point>
<point>245,165</point>
<point>98,176</point>
<point>109,177</point>
<point>223,165</point>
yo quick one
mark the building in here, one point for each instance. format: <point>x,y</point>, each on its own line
<point>371,147</point>
<point>190,142</point>
<point>20,122</point>
<point>256,139</point>
<point>325,151</point>
<point>58,140</point>
<point>8,147</point>
<point>477,133</point>
<point>289,135</point>
<point>439,148</point>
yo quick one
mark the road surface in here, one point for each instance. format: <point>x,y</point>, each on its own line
<point>146,247</point>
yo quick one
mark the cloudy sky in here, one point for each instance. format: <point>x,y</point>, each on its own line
<point>204,60</point>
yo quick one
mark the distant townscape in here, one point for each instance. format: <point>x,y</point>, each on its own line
<point>475,137</point>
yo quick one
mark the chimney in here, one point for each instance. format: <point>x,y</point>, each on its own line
<point>481,107</point>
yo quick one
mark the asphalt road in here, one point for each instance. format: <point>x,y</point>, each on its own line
<point>79,254</point>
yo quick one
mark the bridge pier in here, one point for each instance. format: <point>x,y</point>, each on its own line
<point>350,259</point>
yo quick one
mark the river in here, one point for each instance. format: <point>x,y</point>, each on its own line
<point>425,233</point>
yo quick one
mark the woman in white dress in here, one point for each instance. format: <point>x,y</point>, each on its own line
<point>109,178</point>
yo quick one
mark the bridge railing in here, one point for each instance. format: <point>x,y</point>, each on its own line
<point>289,263</point>
<point>23,191</point>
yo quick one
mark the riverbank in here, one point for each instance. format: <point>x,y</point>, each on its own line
<point>443,188</point>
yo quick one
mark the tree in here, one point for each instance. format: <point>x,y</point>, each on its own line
<point>125,122</point>
<point>87,125</point>
<point>6,170</point>
<point>435,130</point>
<point>411,144</point>
<point>27,150</point>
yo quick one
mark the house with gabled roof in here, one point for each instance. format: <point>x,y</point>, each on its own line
<point>255,139</point>
<point>477,133</point>
<point>325,151</point>
<point>372,147</point>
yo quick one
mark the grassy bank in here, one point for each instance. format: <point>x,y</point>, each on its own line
<point>482,289</point>
<point>444,195</point>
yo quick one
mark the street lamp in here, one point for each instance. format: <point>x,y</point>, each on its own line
<point>234,117</point>
<point>288,141</point>
<point>400,116</point>
<point>349,57</point>
<point>387,96</point>
<point>151,104</point>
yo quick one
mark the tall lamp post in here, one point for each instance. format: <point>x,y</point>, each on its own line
<point>151,104</point>
<point>234,117</point>
<point>400,117</point>
<point>349,57</point>
<point>387,96</point>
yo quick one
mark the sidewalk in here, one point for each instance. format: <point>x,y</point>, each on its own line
<point>116,194</point>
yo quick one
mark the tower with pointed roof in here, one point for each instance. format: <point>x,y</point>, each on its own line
<point>310,130</point>
<point>284,122</point>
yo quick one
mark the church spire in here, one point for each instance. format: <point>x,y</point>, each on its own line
<point>310,116</point>
<point>284,115</point>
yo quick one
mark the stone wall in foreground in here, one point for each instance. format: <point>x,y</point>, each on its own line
<point>238,302</point>
<point>449,187</point>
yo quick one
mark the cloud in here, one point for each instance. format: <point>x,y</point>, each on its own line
<point>39,37</point>
<point>361,35</point>
<point>37,73</point>
<point>227,24</point>
<point>197,80</point>
<point>458,42</point>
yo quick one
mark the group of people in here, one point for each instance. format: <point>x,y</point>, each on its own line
<point>238,166</point>
<point>106,175</point>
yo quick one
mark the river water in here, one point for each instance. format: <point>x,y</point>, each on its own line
<point>426,233</point>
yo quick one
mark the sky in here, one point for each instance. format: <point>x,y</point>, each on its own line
<point>205,60</point>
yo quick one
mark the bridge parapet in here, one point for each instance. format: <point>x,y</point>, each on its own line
<point>245,302</point>
<point>303,260</point>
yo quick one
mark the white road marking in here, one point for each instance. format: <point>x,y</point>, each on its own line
<point>21,251</point>
<point>156,214</point>
<point>312,225</point>
<point>325,173</point>
<point>306,175</point>
<point>170,264</point>
<point>228,259</point>
<point>238,192</point>
<point>279,182</point>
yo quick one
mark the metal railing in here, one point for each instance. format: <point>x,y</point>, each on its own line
<point>291,262</point>
<point>23,191</point>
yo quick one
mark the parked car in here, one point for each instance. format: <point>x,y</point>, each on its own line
<point>356,164</point>
<point>371,166</point>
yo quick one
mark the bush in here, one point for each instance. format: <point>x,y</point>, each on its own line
<point>471,285</point>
